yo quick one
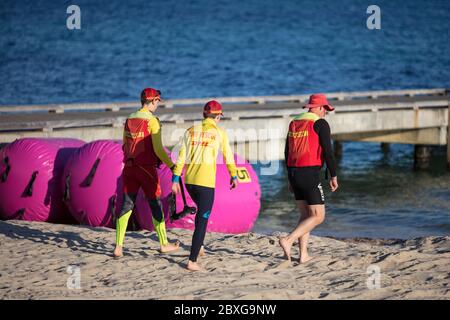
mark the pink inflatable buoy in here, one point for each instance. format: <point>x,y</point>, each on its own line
<point>30,179</point>
<point>144,212</point>
<point>234,211</point>
<point>93,183</point>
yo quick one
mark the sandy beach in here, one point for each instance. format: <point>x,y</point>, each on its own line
<point>36,257</point>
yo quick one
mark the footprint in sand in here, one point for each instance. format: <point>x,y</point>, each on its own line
<point>280,266</point>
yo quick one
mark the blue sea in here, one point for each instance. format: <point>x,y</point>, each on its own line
<point>379,196</point>
<point>200,48</point>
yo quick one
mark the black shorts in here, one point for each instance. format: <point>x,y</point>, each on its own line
<point>306,185</point>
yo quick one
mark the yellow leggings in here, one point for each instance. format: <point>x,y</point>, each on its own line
<point>157,219</point>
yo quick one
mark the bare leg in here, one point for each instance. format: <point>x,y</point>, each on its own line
<point>202,252</point>
<point>303,240</point>
<point>316,217</point>
<point>304,213</point>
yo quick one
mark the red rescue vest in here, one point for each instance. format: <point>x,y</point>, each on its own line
<point>304,146</point>
<point>138,146</point>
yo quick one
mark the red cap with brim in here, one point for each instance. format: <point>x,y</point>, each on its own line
<point>212,107</point>
<point>318,100</point>
<point>150,93</point>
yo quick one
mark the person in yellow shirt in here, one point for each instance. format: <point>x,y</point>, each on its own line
<point>199,150</point>
<point>143,153</point>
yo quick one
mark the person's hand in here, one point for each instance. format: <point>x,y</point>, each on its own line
<point>176,188</point>
<point>334,184</point>
<point>233,182</point>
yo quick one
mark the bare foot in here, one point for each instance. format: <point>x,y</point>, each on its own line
<point>286,247</point>
<point>202,252</point>
<point>305,259</point>
<point>194,266</point>
<point>118,252</point>
<point>170,247</point>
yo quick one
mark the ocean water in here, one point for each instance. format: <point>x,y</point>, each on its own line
<point>217,48</point>
<point>206,48</point>
<point>379,196</point>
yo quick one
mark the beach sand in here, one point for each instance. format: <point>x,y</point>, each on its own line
<point>35,258</point>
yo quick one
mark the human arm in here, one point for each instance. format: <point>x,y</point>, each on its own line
<point>322,128</point>
<point>229,159</point>
<point>181,160</point>
<point>286,155</point>
<point>154,128</point>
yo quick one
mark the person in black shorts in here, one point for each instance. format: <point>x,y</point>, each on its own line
<point>308,146</point>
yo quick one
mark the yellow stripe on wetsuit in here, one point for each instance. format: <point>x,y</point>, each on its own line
<point>122,223</point>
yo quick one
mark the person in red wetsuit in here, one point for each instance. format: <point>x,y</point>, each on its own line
<point>143,153</point>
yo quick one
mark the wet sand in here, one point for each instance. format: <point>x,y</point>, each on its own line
<point>36,257</point>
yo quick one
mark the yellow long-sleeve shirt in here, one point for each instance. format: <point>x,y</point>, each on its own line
<point>199,149</point>
<point>154,128</point>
